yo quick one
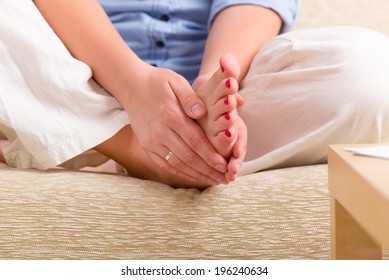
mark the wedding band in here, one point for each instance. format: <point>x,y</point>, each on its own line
<point>169,156</point>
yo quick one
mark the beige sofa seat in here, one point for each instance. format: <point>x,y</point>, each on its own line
<point>61,214</point>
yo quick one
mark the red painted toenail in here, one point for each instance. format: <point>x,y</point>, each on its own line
<point>228,83</point>
<point>222,68</point>
<point>227,116</point>
<point>226,101</point>
<point>228,133</point>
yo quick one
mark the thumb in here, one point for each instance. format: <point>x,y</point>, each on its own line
<point>190,101</point>
<point>194,107</point>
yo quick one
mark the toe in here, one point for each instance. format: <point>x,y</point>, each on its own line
<point>224,141</point>
<point>229,66</point>
<point>222,123</point>
<point>226,87</point>
<point>226,104</point>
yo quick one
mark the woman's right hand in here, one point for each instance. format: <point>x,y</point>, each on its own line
<point>158,104</point>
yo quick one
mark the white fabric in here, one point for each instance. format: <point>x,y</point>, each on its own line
<point>311,88</point>
<point>50,108</point>
<point>304,90</point>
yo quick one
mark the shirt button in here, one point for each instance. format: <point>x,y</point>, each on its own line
<point>165,18</point>
<point>160,44</point>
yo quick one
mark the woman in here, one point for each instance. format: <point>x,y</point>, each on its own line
<point>303,90</point>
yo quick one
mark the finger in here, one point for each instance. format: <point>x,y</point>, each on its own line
<point>231,177</point>
<point>234,166</point>
<point>195,138</point>
<point>239,153</point>
<point>188,160</point>
<point>189,100</point>
<point>192,134</point>
<point>175,171</point>
<point>240,148</point>
<point>167,168</point>
<point>180,165</point>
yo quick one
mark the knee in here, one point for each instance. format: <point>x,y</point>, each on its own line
<point>356,66</point>
<point>324,51</point>
<point>362,51</point>
<point>365,69</point>
<point>341,66</point>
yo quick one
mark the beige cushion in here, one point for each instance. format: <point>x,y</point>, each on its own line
<point>280,214</point>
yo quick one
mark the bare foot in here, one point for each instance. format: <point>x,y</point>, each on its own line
<point>219,96</point>
<point>107,167</point>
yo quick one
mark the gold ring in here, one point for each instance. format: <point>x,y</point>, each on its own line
<point>169,156</point>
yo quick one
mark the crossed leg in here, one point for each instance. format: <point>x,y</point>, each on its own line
<point>219,96</point>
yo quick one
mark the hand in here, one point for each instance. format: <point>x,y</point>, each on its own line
<point>156,110</point>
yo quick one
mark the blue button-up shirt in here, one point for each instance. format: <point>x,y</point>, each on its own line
<point>172,33</point>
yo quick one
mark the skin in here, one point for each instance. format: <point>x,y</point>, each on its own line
<point>239,30</point>
<point>88,33</point>
<point>214,91</point>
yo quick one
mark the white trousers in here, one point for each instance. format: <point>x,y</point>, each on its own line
<point>51,109</point>
<point>304,90</point>
<point>311,88</point>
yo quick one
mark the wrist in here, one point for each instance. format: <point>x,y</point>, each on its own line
<point>131,78</point>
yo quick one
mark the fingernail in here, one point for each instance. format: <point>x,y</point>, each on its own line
<point>223,180</point>
<point>221,167</point>
<point>228,133</point>
<point>226,101</point>
<point>197,110</point>
<point>212,182</point>
<point>228,83</point>
<point>227,116</point>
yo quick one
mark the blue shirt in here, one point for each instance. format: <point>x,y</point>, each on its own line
<point>172,33</point>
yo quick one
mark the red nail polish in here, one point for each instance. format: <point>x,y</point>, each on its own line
<point>227,116</point>
<point>228,83</point>
<point>222,68</point>
<point>228,133</point>
<point>226,101</point>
